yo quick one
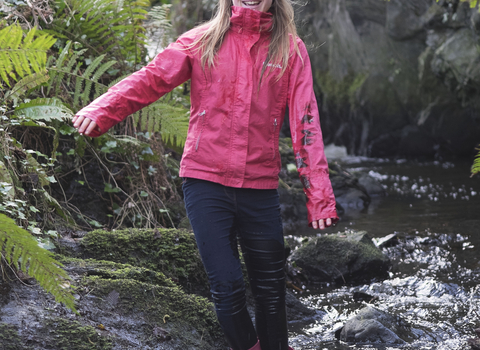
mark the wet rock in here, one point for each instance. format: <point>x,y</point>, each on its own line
<point>360,296</point>
<point>475,342</point>
<point>387,241</point>
<point>341,258</point>
<point>373,326</point>
<point>298,312</point>
<point>373,187</point>
<point>349,193</point>
<point>293,207</point>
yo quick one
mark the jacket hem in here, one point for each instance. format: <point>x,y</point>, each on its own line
<point>267,184</point>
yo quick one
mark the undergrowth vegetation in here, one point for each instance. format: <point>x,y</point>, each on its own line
<point>55,58</point>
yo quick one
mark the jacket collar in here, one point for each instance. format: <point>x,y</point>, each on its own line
<point>246,20</point>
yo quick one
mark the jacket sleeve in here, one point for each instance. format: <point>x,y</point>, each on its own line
<point>307,140</point>
<point>167,70</point>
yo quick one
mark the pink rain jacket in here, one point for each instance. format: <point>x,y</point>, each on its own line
<point>234,125</point>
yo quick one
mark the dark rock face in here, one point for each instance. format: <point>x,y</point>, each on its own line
<point>348,190</point>
<point>396,78</point>
<point>341,258</point>
<point>371,325</point>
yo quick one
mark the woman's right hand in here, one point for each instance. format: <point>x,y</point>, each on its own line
<point>84,125</point>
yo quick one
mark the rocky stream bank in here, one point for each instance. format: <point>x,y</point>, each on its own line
<point>146,289</point>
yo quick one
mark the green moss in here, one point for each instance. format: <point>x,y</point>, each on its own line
<point>340,93</point>
<point>68,334</point>
<point>183,315</point>
<point>341,257</point>
<point>340,249</point>
<point>9,338</point>
<point>112,270</point>
<point>148,298</point>
<point>173,252</point>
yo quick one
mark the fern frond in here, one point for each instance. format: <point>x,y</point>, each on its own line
<point>21,250</point>
<point>159,14</point>
<point>85,95</point>
<point>171,121</point>
<point>47,109</point>
<point>476,164</point>
<point>105,26</point>
<point>67,70</point>
<point>22,56</point>
<point>29,82</point>
<point>56,77</point>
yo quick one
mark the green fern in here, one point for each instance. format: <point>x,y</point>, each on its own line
<point>158,24</point>
<point>46,109</point>
<point>21,250</point>
<point>170,121</point>
<point>67,70</point>
<point>29,82</point>
<point>476,164</point>
<point>19,57</point>
<point>158,15</point>
<point>114,27</point>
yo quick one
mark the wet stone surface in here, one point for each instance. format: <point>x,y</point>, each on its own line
<point>431,236</point>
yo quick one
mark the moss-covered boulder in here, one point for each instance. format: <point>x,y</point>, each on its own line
<point>172,252</point>
<point>341,258</point>
<point>120,307</point>
<point>144,307</point>
<point>148,314</point>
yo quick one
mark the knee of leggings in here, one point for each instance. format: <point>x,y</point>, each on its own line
<point>229,297</point>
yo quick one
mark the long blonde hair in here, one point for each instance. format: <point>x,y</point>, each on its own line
<point>279,48</point>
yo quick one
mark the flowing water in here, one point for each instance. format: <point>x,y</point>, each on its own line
<point>434,284</point>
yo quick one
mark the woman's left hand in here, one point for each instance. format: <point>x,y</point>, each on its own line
<point>321,224</point>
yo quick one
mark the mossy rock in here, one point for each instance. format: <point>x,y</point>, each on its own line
<point>148,314</point>
<point>120,307</point>
<point>9,338</point>
<point>63,334</point>
<point>342,258</point>
<point>170,251</point>
<point>114,271</point>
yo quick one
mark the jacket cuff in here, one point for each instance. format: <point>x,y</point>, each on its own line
<point>105,111</point>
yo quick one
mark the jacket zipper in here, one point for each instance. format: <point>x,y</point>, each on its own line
<point>200,134</point>
<point>274,138</point>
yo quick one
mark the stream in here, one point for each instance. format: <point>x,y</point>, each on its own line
<point>434,209</point>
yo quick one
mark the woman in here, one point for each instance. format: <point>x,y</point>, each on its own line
<point>246,66</point>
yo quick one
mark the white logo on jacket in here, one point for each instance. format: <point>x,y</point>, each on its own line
<point>278,66</point>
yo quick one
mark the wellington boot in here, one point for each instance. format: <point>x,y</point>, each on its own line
<point>256,346</point>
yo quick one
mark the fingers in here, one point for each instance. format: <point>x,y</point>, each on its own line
<point>84,125</point>
<point>77,121</point>
<point>90,127</point>
<point>321,224</point>
<point>328,222</point>
<point>318,224</point>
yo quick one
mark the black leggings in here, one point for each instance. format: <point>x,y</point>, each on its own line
<point>221,217</point>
